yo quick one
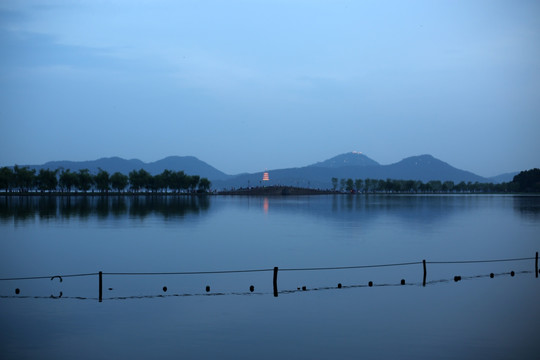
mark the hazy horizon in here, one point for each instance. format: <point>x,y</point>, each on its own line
<point>256,171</point>
<point>251,85</point>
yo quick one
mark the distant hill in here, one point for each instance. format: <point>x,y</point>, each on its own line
<point>507,177</point>
<point>352,165</point>
<point>189,164</point>
<point>423,168</point>
<point>349,159</point>
<point>426,167</point>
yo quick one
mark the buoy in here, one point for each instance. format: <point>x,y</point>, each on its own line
<point>457,278</point>
<point>304,288</point>
<point>251,288</point>
<point>164,289</point>
<point>339,286</point>
<point>512,273</point>
<point>491,275</point>
<point>370,283</point>
<point>402,281</point>
<point>17,291</point>
<point>207,288</point>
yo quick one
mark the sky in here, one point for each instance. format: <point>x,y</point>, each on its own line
<point>267,84</point>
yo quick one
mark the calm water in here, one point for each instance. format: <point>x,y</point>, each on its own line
<point>480,318</point>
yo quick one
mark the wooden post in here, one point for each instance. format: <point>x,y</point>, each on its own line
<point>536,265</point>
<point>275,282</point>
<point>425,272</point>
<point>100,286</point>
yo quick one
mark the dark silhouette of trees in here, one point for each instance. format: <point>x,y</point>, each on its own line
<point>102,181</point>
<point>349,185</point>
<point>342,183</point>
<point>24,178</point>
<point>204,185</point>
<point>358,184</point>
<point>389,186</point>
<point>7,178</point>
<point>177,181</point>
<point>139,180</point>
<point>334,183</point>
<point>193,182</point>
<point>448,186</point>
<point>84,180</point>
<point>528,181</point>
<point>46,180</point>
<point>119,181</point>
<point>68,180</point>
<point>165,180</point>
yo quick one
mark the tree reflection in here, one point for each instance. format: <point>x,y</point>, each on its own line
<point>527,206</point>
<point>102,207</point>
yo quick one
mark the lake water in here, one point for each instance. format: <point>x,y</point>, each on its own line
<point>478,317</point>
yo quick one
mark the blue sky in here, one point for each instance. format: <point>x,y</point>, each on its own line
<point>249,85</point>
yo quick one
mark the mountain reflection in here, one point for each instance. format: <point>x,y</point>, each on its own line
<point>47,207</point>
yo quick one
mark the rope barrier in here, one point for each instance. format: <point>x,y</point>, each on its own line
<point>350,267</point>
<point>48,277</point>
<point>266,270</point>
<point>478,261</point>
<point>190,272</point>
<point>282,292</point>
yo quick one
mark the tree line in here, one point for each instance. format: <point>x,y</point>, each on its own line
<point>525,181</point>
<point>24,179</point>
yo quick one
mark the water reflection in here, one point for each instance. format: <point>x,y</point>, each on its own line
<point>356,208</point>
<point>46,207</point>
<point>527,206</point>
<point>265,205</point>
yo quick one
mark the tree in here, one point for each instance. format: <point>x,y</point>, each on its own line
<point>528,181</point>
<point>435,185</point>
<point>334,183</point>
<point>46,180</point>
<point>380,185</point>
<point>140,179</point>
<point>102,181</point>
<point>177,181</point>
<point>68,180</point>
<point>7,178</point>
<point>409,186</point>
<point>24,177</point>
<point>448,186</point>
<point>370,184</point>
<point>358,183</point>
<point>160,182</point>
<point>349,185</point>
<point>204,184</point>
<point>134,182</point>
<point>342,183</point>
<point>166,179</point>
<point>85,180</point>
<point>119,181</point>
<point>193,181</point>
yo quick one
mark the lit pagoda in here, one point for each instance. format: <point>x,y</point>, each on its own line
<point>265,176</point>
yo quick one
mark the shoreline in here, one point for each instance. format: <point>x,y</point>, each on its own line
<point>254,191</point>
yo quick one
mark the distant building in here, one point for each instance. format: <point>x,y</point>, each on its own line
<point>265,176</point>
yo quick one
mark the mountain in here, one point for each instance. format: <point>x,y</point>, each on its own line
<point>355,166</point>
<point>189,164</point>
<point>507,177</point>
<point>352,165</point>
<point>349,159</point>
<point>426,167</point>
<point>111,165</point>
